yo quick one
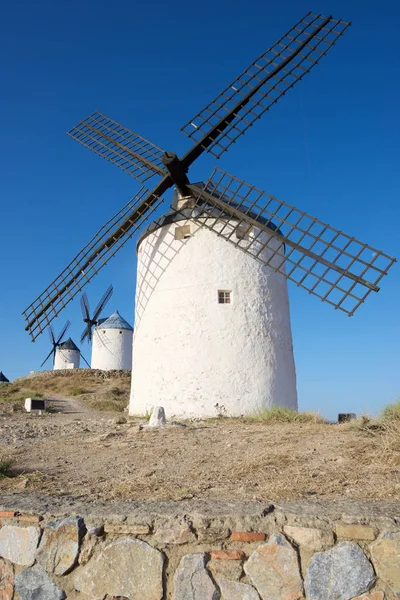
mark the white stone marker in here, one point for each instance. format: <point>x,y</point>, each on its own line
<point>157,418</point>
<point>35,404</point>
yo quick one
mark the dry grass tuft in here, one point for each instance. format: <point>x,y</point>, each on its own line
<point>387,450</point>
<point>271,416</point>
<point>391,412</point>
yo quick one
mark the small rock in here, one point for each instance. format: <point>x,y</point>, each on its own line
<point>231,590</point>
<point>340,573</point>
<point>385,554</point>
<point>310,538</point>
<point>127,567</point>
<point>120,420</point>
<point>274,570</point>
<point>157,418</point>
<point>96,531</point>
<point>87,550</point>
<point>18,544</point>
<point>175,536</point>
<point>355,532</point>
<point>6,580</point>
<point>192,580</point>
<point>59,548</point>
<point>34,583</point>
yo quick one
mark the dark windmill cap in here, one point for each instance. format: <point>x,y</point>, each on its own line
<point>115,322</point>
<point>68,345</point>
<point>173,215</point>
<point>3,378</point>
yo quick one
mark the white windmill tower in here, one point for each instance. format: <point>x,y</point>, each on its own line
<point>212,318</point>
<point>112,344</point>
<point>68,356</point>
<point>111,338</point>
<point>212,325</point>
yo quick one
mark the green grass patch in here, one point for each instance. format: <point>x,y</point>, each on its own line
<point>79,391</point>
<point>5,468</point>
<point>284,415</point>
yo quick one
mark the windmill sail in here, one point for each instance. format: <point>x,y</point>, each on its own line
<point>263,83</point>
<point>326,262</point>
<point>128,150</point>
<point>91,321</point>
<point>55,341</point>
<point>101,248</point>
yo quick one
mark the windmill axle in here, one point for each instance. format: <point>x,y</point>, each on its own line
<point>177,172</point>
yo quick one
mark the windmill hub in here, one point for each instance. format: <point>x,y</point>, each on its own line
<point>177,172</point>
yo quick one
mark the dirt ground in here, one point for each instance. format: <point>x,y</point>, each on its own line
<point>82,453</point>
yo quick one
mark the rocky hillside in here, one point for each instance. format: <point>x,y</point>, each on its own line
<point>103,390</point>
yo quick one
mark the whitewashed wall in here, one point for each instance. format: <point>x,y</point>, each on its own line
<point>67,359</point>
<point>190,352</point>
<point>111,349</point>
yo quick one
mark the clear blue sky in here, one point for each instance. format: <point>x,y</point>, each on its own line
<point>331,147</point>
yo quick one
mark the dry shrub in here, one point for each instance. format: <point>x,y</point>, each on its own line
<point>391,412</point>
<point>284,415</point>
<point>388,443</point>
<point>5,468</point>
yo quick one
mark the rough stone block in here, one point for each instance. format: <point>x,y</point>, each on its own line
<point>385,554</point>
<point>6,580</point>
<point>30,518</point>
<point>175,536</point>
<point>34,583</point>
<point>355,532</point>
<point>232,590</point>
<point>127,567</point>
<point>225,569</point>
<point>340,573</point>
<point>310,537</point>
<point>274,570</point>
<point>18,544</point>
<point>59,547</point>
<point>192,581</point>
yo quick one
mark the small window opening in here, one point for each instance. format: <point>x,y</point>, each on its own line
<point>120,331</point>
<point>242,232</point>
<point>182,232</point>
<point>224,297</point>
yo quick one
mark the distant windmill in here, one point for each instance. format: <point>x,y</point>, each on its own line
<point>93,321</point>
<point>212,323</point>
<point>55,342</point>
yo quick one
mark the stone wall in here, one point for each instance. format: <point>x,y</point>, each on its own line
<point>199,551</point>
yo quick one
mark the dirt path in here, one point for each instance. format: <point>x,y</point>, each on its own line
<point>70,406</point>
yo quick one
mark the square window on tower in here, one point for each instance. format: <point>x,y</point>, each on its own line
<point>182,232</point>
<point>224,297</point>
